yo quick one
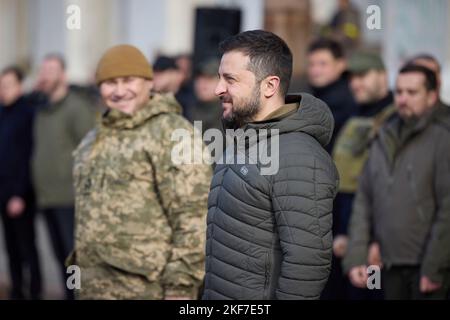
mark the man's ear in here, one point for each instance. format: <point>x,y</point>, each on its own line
<point>271,86</point>
<point>432,98</point>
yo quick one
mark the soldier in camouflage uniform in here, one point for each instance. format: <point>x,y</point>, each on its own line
<point>140,219</point>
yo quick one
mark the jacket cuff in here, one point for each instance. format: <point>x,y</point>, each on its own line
<point>354,257</point>
<point>433,275</point>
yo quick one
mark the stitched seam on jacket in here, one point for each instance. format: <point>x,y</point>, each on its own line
<point>307,197</point>
<point>217,292</point>
<point>303,246</point>
<point>250,205</point>
<point>247,183</point>
<point>235,249</point>
<point>294,195</point>
<point>297,180</point>
<point>318,183</point>
<point>232,265</point>
<point>241,221</point>
<point>303,167</point>
<point>241,239</point>
<point>283,218</point>
<point>306,280</point>
<point>307,265</point>
<point>298,295</point>
<point>304,230</point>
<point>219,276</point>
<point>301,212</point>
<point>315,205</point>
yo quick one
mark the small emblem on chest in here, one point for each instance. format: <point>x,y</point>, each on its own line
<point>244,170</point>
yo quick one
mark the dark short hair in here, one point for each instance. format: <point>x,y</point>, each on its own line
<point>425,56</point>
<point>334,47</point>
<point>58,57</point>
<point>15,70</point>
<point>269,55</point>
<point>163,63</point>
<point>430,76</point>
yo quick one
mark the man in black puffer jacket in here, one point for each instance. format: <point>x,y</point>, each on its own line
<point>269,233</point>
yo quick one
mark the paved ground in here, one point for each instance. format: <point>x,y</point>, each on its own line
<point>51,277</point>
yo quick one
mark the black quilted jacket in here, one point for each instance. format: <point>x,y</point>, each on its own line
<point>269,236</point>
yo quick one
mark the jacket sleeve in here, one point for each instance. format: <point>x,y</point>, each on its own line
<point>22,183</point>
<point>437,252</point>
<point>360,223</point>
<point>183,191</point>
<point>302,198</point>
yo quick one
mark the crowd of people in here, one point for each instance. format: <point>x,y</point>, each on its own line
<point>363,179</point>
<point>399,215</point>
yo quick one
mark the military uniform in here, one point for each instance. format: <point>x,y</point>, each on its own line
<point>352,147</point>
<point>140,219</point>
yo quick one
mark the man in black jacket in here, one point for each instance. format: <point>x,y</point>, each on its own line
<point>17,205</point>
<point>404,196</point>
<point>329,81</point>
<point>269,228</point>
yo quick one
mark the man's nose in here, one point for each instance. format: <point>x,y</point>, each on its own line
<point>119,89</point>
<point>220,88</point>
<point>401,98</point>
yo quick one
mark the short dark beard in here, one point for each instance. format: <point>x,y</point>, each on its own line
<point>246,113</point>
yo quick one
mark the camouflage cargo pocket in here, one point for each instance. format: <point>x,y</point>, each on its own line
<point>128,262</point>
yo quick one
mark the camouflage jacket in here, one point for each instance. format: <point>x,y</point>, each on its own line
<point>351,149</point>
<point>140,219</point>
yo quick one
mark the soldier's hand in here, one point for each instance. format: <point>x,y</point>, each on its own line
<point>340,246</point>
<point>427,286</point>
<point>15,207</point>
<point>358,276</point>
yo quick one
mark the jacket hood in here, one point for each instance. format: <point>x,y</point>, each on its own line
<point>158,104</point>
<point>312,117</point>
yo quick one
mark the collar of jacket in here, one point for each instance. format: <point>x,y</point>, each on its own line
<point>373,108</point>
<point>15,105</point>
<point>282,112</point>
<point>158,104</point>
<point>336,85</point>
<point>301,113</point>
<point>246,132</point>
<point>403,130</point>
<point>397,132</point>
<point>442,114</point>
